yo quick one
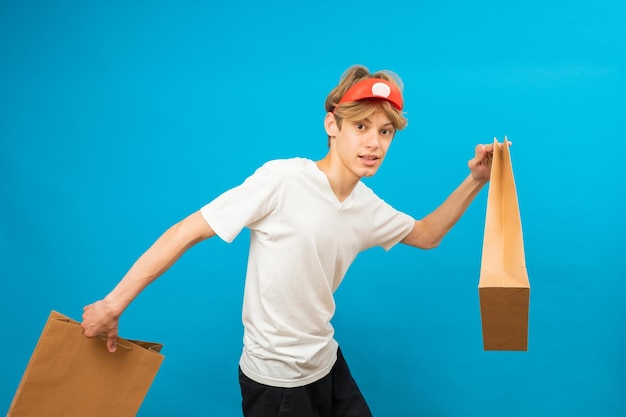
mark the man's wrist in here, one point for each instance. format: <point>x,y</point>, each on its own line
<point>114,305</point>
<point>478,182</point>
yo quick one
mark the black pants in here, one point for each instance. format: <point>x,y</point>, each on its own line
<point>335,395</point>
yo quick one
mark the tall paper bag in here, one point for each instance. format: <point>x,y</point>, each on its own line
<point>504,289</point>
<point>69,375</point>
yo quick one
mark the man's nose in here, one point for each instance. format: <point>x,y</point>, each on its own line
<point>372,140</point>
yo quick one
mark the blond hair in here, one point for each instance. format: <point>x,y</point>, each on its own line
<point>362,109</point>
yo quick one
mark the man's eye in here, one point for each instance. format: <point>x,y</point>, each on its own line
<point>386,132</point>
<point>360,126</point>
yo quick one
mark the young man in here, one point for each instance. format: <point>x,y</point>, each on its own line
<point>308,221</point>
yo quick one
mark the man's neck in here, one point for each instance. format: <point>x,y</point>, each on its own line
<point>341,181</point>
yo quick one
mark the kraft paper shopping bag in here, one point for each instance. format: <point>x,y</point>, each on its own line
<point>504,289</point>
<point>70,375</point>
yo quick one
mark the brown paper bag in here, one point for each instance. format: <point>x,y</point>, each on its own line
<point>69,375</point>
<point>504,289</point>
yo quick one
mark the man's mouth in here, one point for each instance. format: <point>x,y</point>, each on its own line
<point>369,160</point>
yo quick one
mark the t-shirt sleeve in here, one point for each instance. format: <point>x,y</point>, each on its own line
<point>389,226</point>
<point>240,206</point>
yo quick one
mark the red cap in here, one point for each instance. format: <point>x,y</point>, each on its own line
<point>374,88</point>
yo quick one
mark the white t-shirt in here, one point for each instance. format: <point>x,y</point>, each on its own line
<point>302,241</point>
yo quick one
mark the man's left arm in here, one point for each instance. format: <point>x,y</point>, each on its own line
<point>429,231</point>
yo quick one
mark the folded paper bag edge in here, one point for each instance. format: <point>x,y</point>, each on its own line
<point>147,345</point>
<point>504,313</point>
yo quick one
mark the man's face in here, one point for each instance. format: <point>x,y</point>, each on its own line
<point>362,145</point>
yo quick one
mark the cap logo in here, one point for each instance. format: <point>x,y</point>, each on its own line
<point>380,89</point>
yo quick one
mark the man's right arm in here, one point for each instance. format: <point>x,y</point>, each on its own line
<point>102,316</point>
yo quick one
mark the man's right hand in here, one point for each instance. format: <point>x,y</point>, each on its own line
<point>99,319</point>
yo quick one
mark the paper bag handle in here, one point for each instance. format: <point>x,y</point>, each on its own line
<point>100,336</point>
<point>151,346</point>
<point>104,338</point>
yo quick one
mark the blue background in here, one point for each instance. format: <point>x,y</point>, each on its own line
<point>117,119</point>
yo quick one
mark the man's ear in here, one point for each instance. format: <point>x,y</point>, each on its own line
<point>330,124</point>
